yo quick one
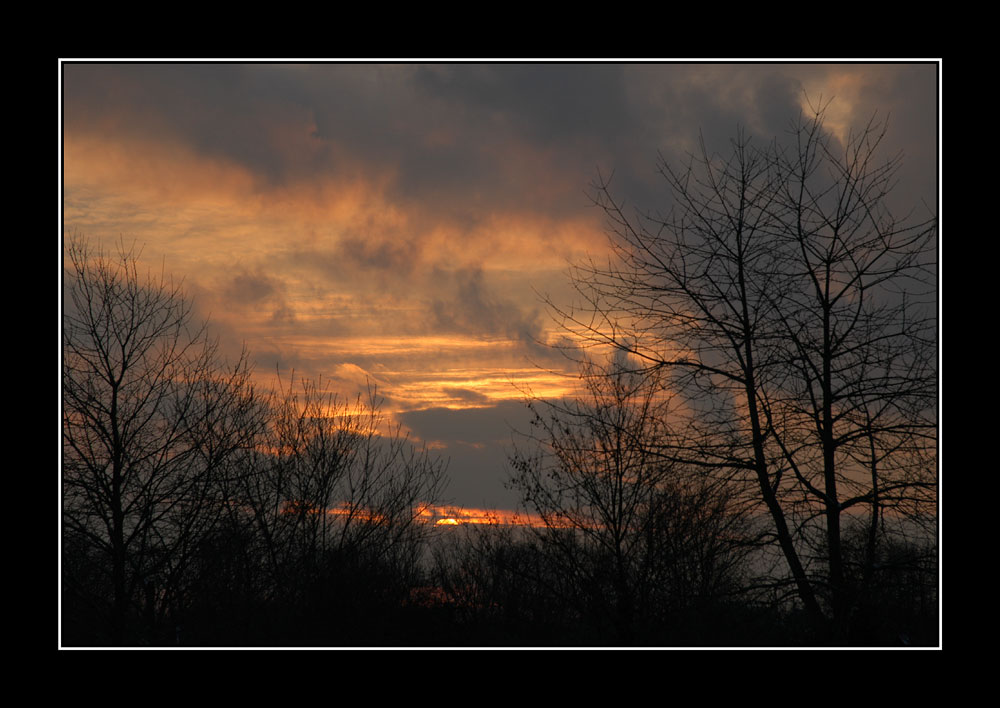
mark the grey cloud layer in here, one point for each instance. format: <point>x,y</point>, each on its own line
<point>478,441</point>
<point>446,131</point>
<point>462,142</point>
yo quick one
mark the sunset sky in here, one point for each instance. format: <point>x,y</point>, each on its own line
<point>400,223</point>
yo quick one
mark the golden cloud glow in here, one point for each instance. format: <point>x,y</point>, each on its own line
<point>313,249</point>
<point>845,88</point>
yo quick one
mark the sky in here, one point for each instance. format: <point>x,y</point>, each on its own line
<point>402,224</point>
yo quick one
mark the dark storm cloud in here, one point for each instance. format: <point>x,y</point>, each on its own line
<point>444,133</point>
<point>473,426</point>
<point>465,395</point>
<point>461,140</point>
<point>761,100</point>
<point>397,256</point>
<point>472,308</point>
<point>713,100</point>
<point>678,105</point>
<point>478,476</point>
<point>478,442</point>
<point>911,109</point>
<point>549,103</point>
<point>234,111</point>
<point>359,264</point>
<point>258,291</point>
<point>250,287</point>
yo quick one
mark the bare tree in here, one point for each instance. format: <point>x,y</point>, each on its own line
<point>503,588</point>
<point>629,536</point>
<point>152,418</point>
<point>793,312</point>
<point>856,423</point>
<point>338,492</point>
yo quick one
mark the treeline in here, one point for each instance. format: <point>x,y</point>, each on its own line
<point>198,510</point>
<point>505,586</point>
<point>638,549</point>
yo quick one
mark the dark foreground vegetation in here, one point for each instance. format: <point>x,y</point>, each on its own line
<point>750,460</point>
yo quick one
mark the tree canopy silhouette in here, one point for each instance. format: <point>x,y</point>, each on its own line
<point>188,493</point>
<point>634,539</point>
<point>152,419</point>
<point>781,297</point>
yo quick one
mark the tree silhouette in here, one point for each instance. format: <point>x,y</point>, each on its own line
<point>152,418</point>
<point>335,500</point>
<point>793,312</point>
<point>631,538</point>
<point>291,516</point>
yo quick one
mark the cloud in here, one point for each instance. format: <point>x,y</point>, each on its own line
<point>465,395</point>
<point>398,219</point>
<point>472,308</point>
<point>477,442</point>
<point>471,426</point>
<point>456,139</point>
<point>397,256</point>
<point>545,103</point>
<point>250,288</point>
<point>452,141</point>
<point>258,296</point>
